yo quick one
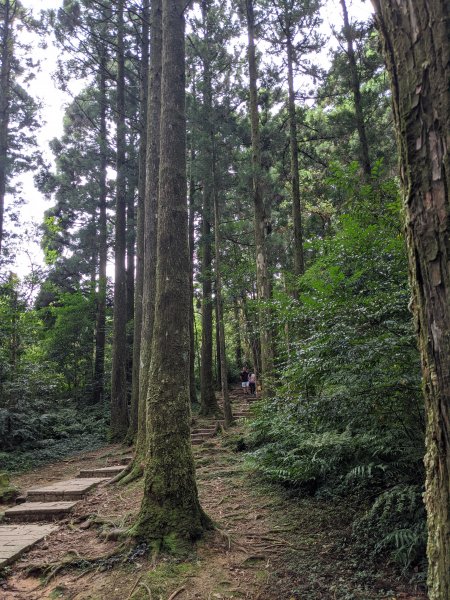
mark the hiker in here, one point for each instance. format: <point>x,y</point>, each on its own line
<point>244,379</point>
<point>252,384</point>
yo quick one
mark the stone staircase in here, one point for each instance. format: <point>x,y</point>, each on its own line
<point>45,504</point>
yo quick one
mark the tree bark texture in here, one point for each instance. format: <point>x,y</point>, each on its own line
<point>119,408</point>
<point>150,217</point>
<point>262,270</point>
<point>416,44</point>
<point>207,396</point>
<point>192,386</point>
<point>209,404</point>
<point>219,304</point>
<point>8,12</point>
<point>356,91</point>
<point>137,323</point>
<point>170,513</point>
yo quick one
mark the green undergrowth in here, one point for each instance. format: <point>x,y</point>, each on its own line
<point>55,450</point>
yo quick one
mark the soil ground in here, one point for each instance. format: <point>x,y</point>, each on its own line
<point>266,546</point>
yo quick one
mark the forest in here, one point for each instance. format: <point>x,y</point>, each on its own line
<point>240,187</point>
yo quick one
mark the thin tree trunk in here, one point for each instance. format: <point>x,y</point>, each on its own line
<point>207,396</point>
<point>209,404</point>
<point>237,322</point>
<point>119,408</point>
<point>356,90</point>
<point>137,324</point>
<point>261,223</point>
<point>192,386</point>
<point>417,50</point>
<point>100,326</point>
<point>299,265</point>
<point>170,513</point>
<point>219,304</point>
<point>9,10</point>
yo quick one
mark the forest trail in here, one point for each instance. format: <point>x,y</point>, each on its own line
<point>266,546</point>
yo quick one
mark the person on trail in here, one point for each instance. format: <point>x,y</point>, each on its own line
<point>252,384</point>
<point>244,379</point>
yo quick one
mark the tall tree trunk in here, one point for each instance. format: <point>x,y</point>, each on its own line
<point>207,396</point>
<point>137,324</point>
<point>170,510</point>
<point>119,408</point>
<point>192,386</point>
<point>100,325</point>
<point>261,221</point>
<point>219,303</point>
<point>209,404</point>
<point>150,212</point>
<point>356,91</point>
<point>416,43</point>
<point>237,323</point>
<point>9,9</point>
<point>217,340</point>
<point>299,265</point>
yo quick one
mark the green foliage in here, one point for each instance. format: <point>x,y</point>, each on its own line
<point>348,414</point>
<point>394,524</point>
<point>45,371</point>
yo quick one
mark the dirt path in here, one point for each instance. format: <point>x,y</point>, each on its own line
<point>267,547</point>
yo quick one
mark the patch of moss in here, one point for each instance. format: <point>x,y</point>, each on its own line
<point>165,578</point>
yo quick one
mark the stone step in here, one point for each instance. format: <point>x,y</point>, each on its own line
<point>17,539</point>
<point>196,440</point>
<point>209,432</point>
<point>39,511</point>
<point>71,489</point>
<point>102,472</point>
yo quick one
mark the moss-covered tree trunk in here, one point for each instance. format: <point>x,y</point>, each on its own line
<point>137,323</point>
<point>261,219</point>
<point>150,214</point>
<point>416,43</point>
<point>119,400</point>
<point>170,512</point>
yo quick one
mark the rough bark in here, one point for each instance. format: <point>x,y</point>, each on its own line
<point>417,52</point>
<point>170,514</point>
<point>356,91</point>
<point>192,386</point>
<point>137,323</point>
<point>119,408</point>
<point>261,221</point>
<point>9,10</point>
<point>150,218</point>
<point>100,325</point>
<point>208,400</point>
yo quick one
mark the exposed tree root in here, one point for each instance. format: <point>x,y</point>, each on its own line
<point>176,592</point>
<point>121,475</point>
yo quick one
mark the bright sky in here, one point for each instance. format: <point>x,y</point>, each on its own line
<point>53,102</point>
